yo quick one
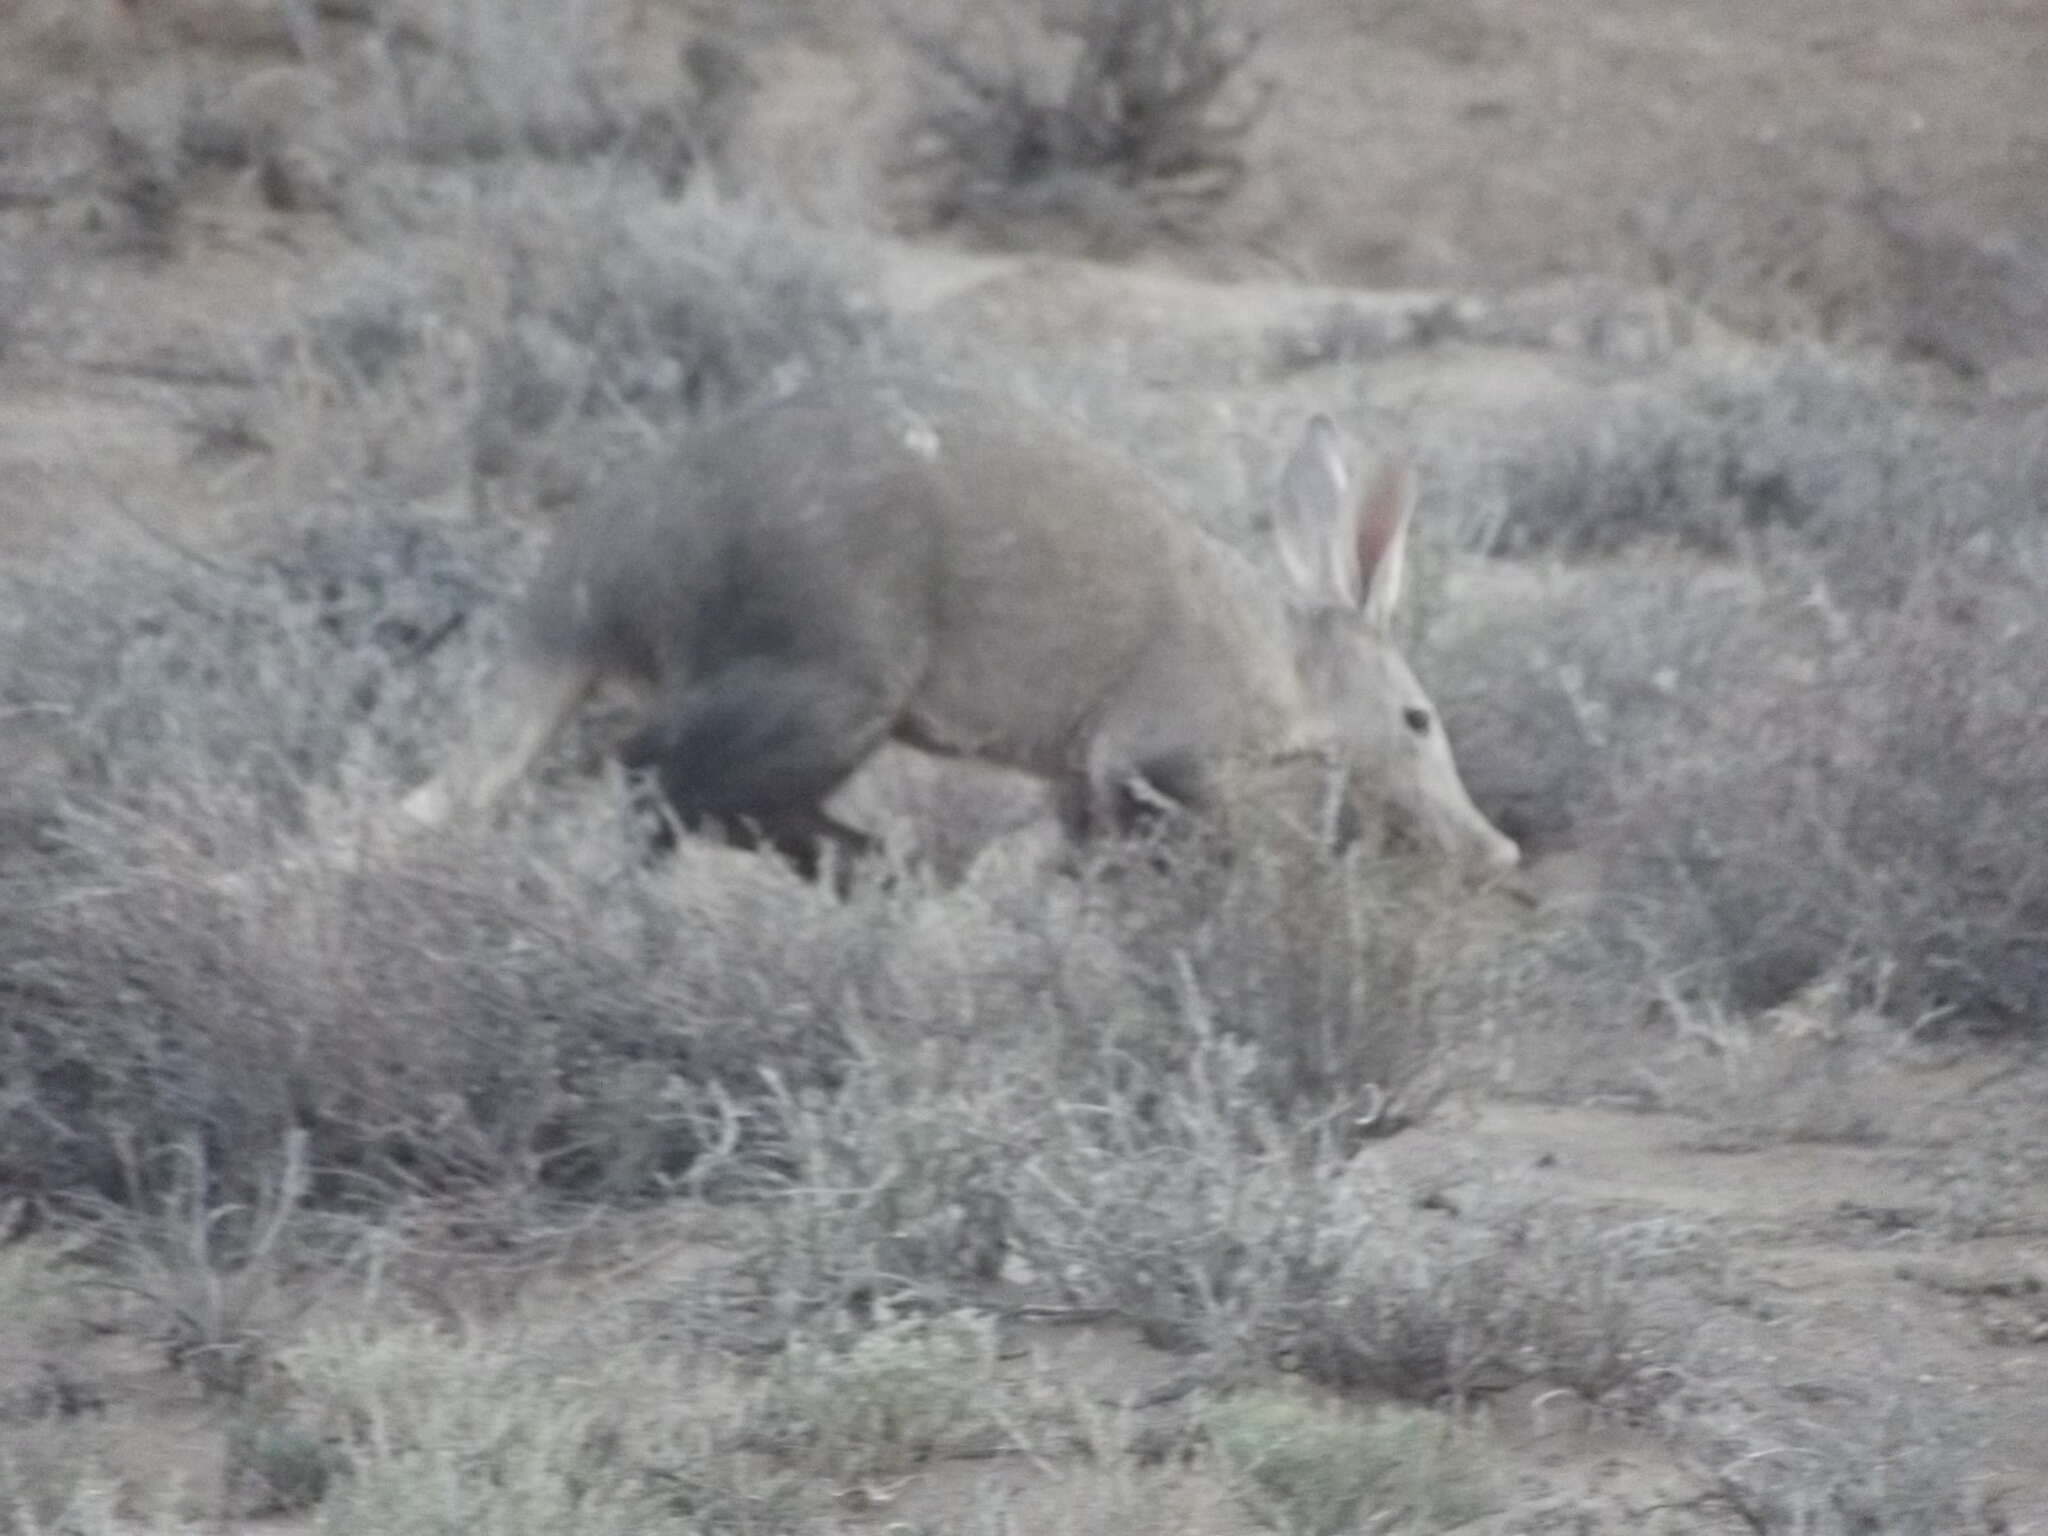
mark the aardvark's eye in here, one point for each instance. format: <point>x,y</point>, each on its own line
<point>1418,720</point>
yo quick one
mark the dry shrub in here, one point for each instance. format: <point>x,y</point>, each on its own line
<point>387,110</point>
<point>433,1026</point>
<point>53,1477</point>
<point>1308,1470</point>
<point>1121,120</point>
<point>572,1422</point>
<point>1123,1085</point>
<point>548,330</point>
<point>1802,444</point>
<point>1863,805</point>
<point>1172,1195</point>
<point>151,673</point>
<point>468,82</point>
<point>1513,1287</point>
<point>1557,688</point>
<point>481,80</point>
<point>1213,1229</point>
<point>900,1395</point>
<point>1371,981</point>
<point>190,947</point>
<point>1815,767</point>
<point>1808,759</point>
<point>459,86</point>
<point>1903,1462</point>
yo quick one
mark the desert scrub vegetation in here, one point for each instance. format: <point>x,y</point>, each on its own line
<point>1305,1470</point>
<point>48,1482</point>
<point>208,1284</point>
<point>480,81</point>
<point>220,721</point>
<point>898,1394</point>
<point>190,950</point>
<point>1853,816</point>
<point>1123,116</point>
<point>356,101</point>
<point>472,82</point>
<point>232,1011</point>
<point>205,949</point>
<point>1802,750</point>
<point>1816,450</point>
<point>529,335</point>
<point>1152,1180</point>
<point>530,1427</point>
<point>1899,1464</point>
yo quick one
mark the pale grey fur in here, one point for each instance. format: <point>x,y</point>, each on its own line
<point>876,557</point>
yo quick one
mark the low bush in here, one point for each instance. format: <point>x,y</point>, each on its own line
<point>1861,806</point>
<point>543,331</point>
<point>1309,1471</point>
<point>1122,122</point>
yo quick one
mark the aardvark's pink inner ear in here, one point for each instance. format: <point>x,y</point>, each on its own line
<point>1382,539</point>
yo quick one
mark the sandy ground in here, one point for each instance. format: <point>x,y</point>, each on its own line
<point>1835,1276</point>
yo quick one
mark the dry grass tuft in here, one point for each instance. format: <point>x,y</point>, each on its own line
<point>1117,119</point>
<point>1851,812</point>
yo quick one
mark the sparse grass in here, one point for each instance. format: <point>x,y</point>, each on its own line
<point>1305,1470</point>
<point>30,1286</point>
<point>211,1280</point>
<point>480,81</point>
<point>892,1398</point>
<point>1801,757</point>
<point>1757,1084</point>
<point>276,1467</point>
<point>48,1478</point>
<point>1123,117</point>
<point>466,90</point>
<point>1822,452</point>
<point>196,966</point>
<point>1851,812</point>
<point>1899,1466</point>
<point>1378,1295</point>
<point>544,1428</point>
<point>1986,1187</point>
<point>545,329</point>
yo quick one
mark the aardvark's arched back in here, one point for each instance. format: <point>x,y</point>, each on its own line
<point>874,559</point>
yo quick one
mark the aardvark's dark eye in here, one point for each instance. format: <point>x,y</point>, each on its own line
<point>1418,720</point>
